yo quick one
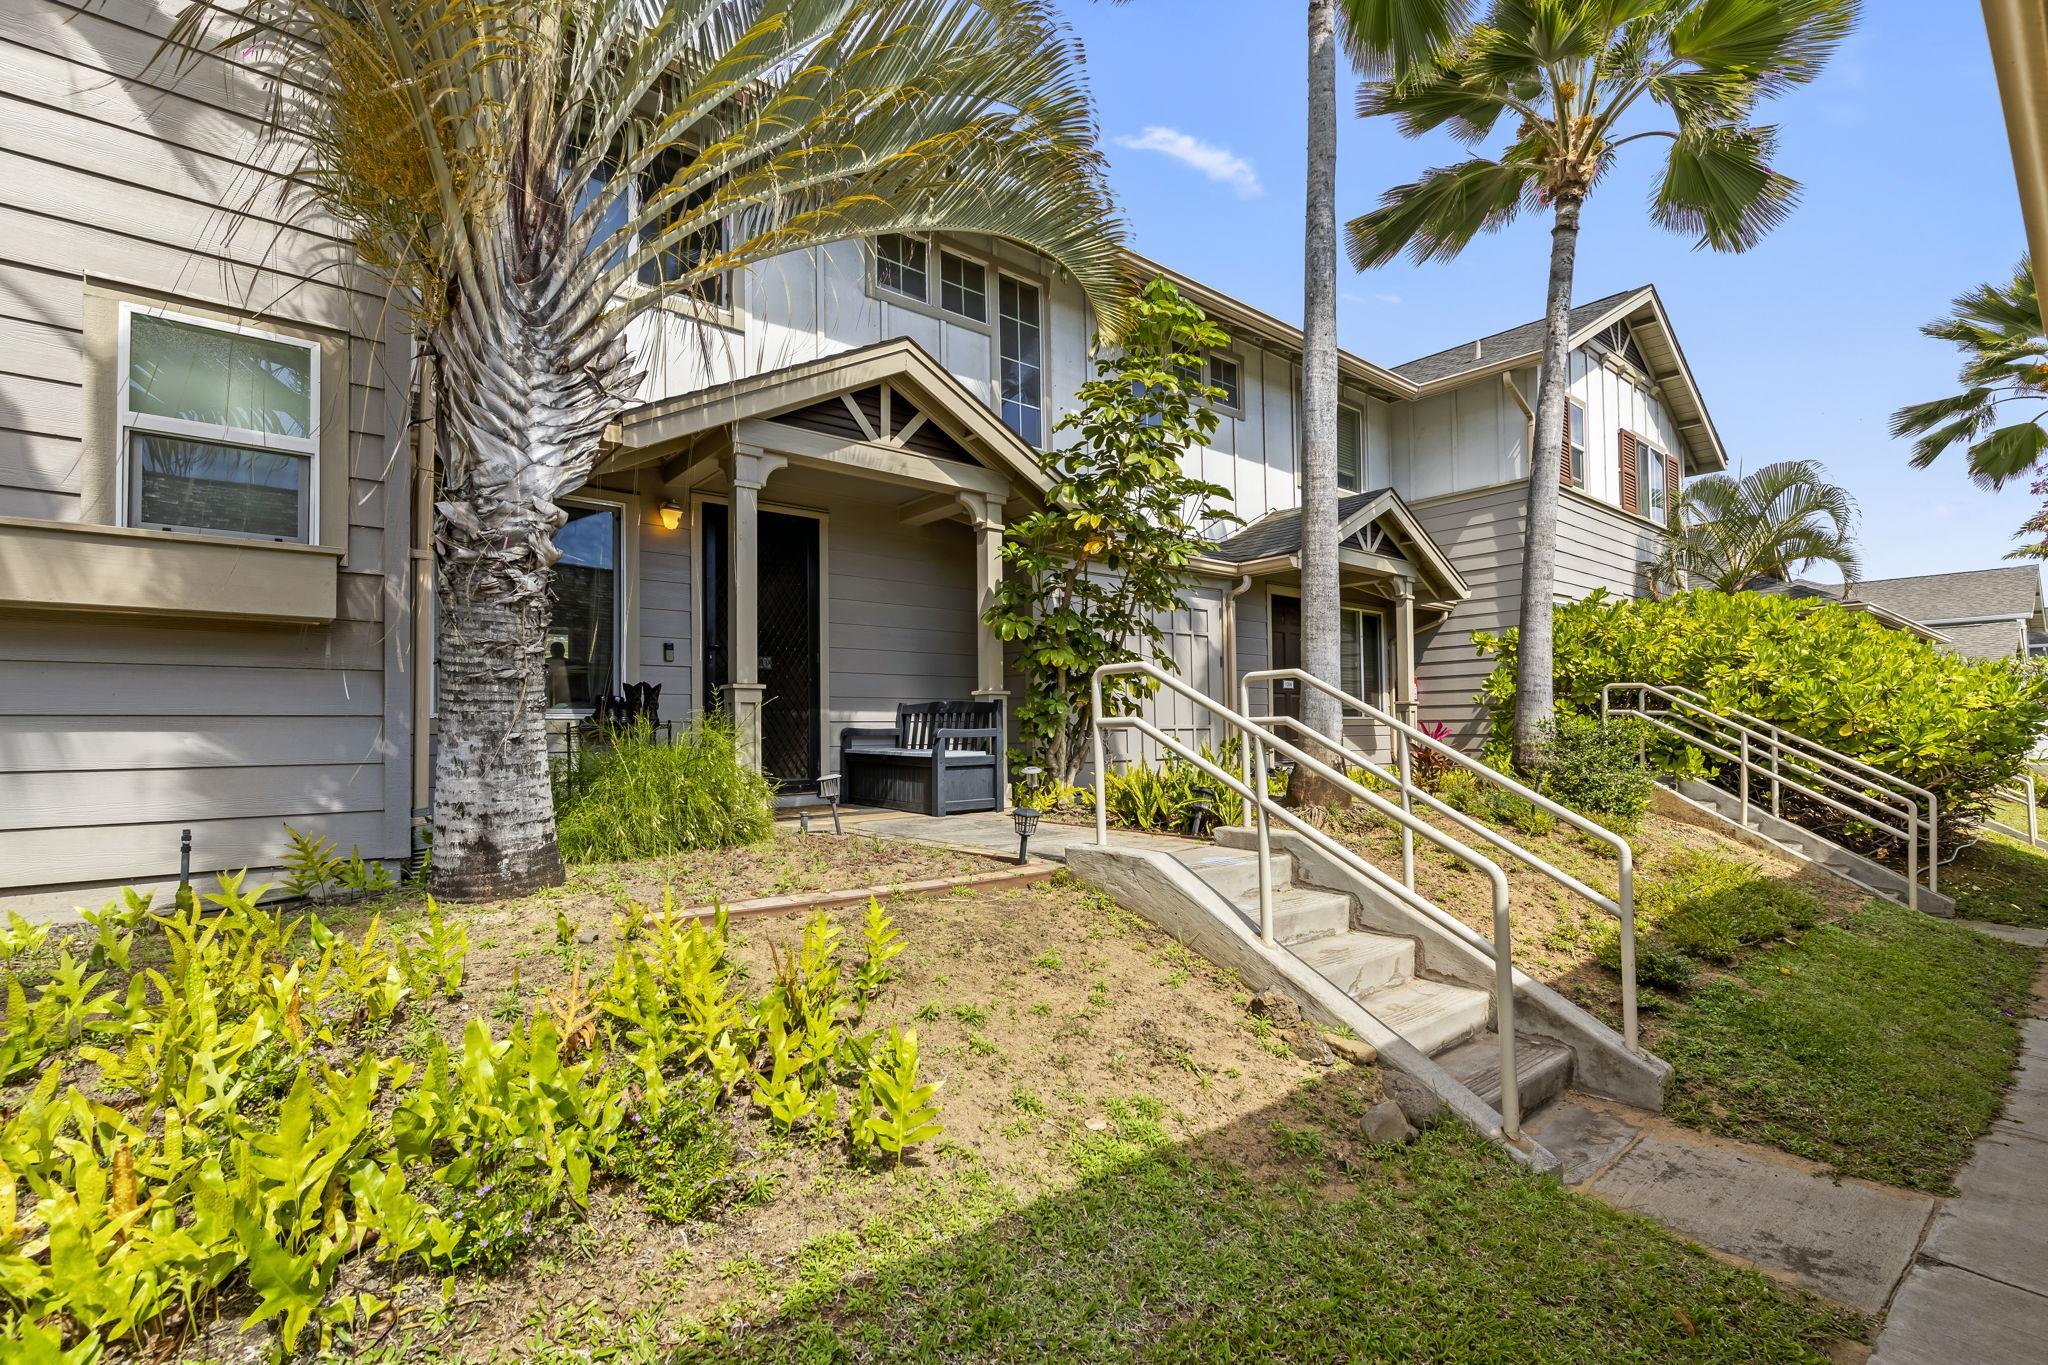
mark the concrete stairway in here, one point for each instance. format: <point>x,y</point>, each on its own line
<point>1441,1019</point>
<point>1803,844</point>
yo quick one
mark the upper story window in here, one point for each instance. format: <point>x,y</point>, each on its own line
<point>218,427</point>
<point>963,286</point>
<point>1350,451</point>
<point>1224,374</point>
<point>1020,341</point>
<point>699,243</point>
<point>1652,474</point>
<point>1575,443</point>
<point>900,266</point>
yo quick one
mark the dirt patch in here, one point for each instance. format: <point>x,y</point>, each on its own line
<point>1039,1009</point>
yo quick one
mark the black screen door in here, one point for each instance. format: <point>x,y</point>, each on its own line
<point>787,555</point>
<point>1286,654</point>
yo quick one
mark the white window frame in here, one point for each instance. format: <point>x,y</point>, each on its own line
<point>1575,443</point>
<point>1651,460</point>
<point>1044,339</point>
<point>1359,415</point>
<point>925,271</point>
<point>626,507</point>
<point>126,420</point>
<point>1233,405</point>
<point>988,295</point>
<point>1381,699</point>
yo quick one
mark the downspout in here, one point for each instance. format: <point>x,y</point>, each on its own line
<point>1230,638</point>
<point>423,458</point>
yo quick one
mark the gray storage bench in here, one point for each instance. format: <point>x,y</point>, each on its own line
<point>942,758</point>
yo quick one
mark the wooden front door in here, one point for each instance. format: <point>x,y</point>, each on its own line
<point>788,635</point>
<point>1286,654</point>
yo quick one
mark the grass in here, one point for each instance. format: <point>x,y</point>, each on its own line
<point>2000,880</point>
<point>1167,1252</point>
<point>1880,1045</point>
<point>637,797</point>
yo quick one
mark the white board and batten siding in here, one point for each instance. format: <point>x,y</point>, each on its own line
<point>1479,525</point>
<point>117,733</point>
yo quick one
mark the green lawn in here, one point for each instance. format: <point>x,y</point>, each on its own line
<point>2000,880</point>
<point>1881,1044</point>
<point>1440,1251</point>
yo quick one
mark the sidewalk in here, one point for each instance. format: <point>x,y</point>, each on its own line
<point>1979,1290</point>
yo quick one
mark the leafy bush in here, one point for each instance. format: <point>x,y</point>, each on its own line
<point>1959,727</point>
<point>682,1156</point>
<point>1657,963</point>
<point>1599,771</point>
<point>640,798</point>
<point>1464,791</point>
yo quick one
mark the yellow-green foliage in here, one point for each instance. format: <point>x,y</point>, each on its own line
<point>1170,795</point>
<point>1959,727</point>
<point>640,798</point>
<point>219,1118</point>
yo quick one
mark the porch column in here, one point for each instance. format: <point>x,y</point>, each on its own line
<point>1406,706</point>
<point>985,514</point>
<point>750,470</point>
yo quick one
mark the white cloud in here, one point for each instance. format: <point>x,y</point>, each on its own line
<point>1220,164</point>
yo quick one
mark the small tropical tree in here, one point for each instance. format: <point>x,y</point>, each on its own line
<point>1575,78</point>
<point>1998,329</point>
<point>1090,577</point>
<point>531,176</point>
<point>1734,533</point>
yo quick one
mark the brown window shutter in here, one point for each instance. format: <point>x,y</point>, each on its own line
<point>1630,501</point>
<point>1564,452</point>
<point>1671,478</point>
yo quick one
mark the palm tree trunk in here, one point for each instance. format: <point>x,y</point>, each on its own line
<point>1535,690</point>
<point>1321,629</point>
<point>519,428</point>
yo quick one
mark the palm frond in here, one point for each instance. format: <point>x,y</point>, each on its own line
<point>1998,330</point>
<point>1385,37</point>
<point>1780,43</point>
<point>1719,186</point>
<point>2007,453</point>
<point>1733,533</point>
<point>1438,216</point>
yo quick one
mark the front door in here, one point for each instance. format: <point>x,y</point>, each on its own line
<point>787,631</point>
<point>1286,654</point>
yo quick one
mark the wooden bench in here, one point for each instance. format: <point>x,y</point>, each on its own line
<point>942,758</point>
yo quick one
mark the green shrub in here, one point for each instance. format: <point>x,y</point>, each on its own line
<point>1599,771</point>
<point>1171,796</point>
<point>682,1155</point>
<point>640,798</point>
<point>1959,727</point>
<point>1657,963</point>
<point>1466,792</point>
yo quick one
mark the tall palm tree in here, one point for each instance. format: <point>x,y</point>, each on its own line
<point>518,168</point>
<point>2005,360</point>
<point>1735,533</point>
<point>1569,74</point>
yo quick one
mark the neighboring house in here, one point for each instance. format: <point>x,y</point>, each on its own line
<point>1981,613</point>
<point>1834,592</point>
<point>214,596</point>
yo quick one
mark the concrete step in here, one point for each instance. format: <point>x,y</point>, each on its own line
<point>1543,1070</point>
<point>1432,1015</point>
<point>1234,872</point>
<point>1359,964</point>
<point>1302,913</point>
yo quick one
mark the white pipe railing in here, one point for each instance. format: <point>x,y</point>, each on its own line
<point>1405,735</point>
<point>2026,791</point>
<point>1836,765</point>
<point>1740,740</point>
<point>1260,800</point>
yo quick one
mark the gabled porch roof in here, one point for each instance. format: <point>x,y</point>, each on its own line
<point>888,411</point>
<point>1376,533</point>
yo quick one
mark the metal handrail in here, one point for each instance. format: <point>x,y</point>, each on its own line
<point>1256,794</point>
<point>1622,907</point>
<point>2026,791</point>
<point>1822,767</point>
<point>1842,765</point>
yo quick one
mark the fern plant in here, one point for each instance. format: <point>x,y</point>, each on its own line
<point>893,1110</point>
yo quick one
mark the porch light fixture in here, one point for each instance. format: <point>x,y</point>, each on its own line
<point>671,516</point>
<point>1024,815</point>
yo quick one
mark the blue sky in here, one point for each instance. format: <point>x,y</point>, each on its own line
<point>1802,346</point>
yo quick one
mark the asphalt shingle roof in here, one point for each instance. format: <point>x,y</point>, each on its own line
<point>1526,339</point>
<point>1946,596</point>
<point>1279,533</point>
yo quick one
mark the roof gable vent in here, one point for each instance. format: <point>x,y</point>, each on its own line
<point>1620,340</point>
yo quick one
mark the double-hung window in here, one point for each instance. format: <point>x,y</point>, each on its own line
<point>1350,452</point>
<point>1225,375</point>
<point>1020,341</point>
<point>218,427</point>
<point>1575,443</point>
<point>1651,471</point>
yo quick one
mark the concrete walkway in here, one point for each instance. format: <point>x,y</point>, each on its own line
<point>1848,1240</point>
<point>1979,1290</point>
